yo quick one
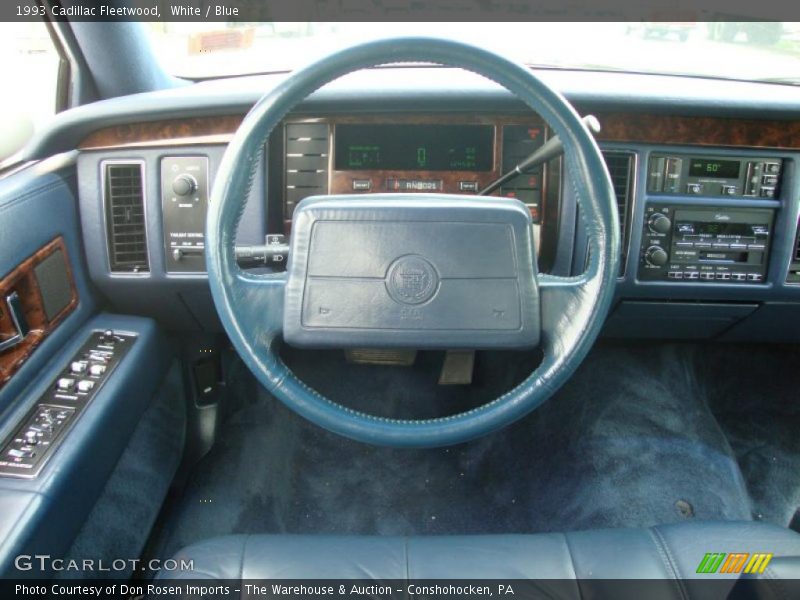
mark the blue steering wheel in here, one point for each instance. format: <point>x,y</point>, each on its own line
<point>571,310</point>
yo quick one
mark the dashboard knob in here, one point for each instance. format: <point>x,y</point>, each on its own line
<point>659,223</point>
<point>183,185</point>
<point>656,256</point>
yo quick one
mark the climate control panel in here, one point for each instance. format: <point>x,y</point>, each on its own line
<point>716,176</point>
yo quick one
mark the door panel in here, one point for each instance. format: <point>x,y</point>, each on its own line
<point>39,226</point>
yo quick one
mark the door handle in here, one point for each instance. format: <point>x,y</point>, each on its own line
<point>21,328</point>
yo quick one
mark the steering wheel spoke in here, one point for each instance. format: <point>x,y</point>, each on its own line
<point>258,298</point>
<point>565,306</point>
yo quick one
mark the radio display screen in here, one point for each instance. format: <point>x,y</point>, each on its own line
<point>414,147</point>
<point>724,169</point>
<point>715,228</point>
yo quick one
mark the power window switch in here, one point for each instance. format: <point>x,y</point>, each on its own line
<point>65,384</point>
<point>85,385</point>
<point>77,367</point>
<point>97,370</point>
<point>21,453</point>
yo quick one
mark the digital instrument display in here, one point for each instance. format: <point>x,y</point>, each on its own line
<point>725,169</point>
<point>414,147</point>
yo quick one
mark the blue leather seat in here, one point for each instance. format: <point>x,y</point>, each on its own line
<point>669,553</point>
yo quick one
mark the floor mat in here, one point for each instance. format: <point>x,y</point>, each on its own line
<point>629,441</point>
<point>755,395</point>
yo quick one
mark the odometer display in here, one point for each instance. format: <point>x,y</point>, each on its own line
<point>414,147</point>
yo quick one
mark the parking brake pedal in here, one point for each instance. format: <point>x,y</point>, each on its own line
<point>457,368</point>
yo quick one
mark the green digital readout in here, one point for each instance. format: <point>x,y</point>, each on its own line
<point>414,147</point>
<point>725,169</point>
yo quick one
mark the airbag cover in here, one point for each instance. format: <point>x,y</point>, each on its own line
<point>415,271</point>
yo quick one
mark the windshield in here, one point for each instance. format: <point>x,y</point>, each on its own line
<point>750,51</point>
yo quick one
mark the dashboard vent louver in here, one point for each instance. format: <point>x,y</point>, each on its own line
<point>794,267</point>
<point>306,163</point>
<point>797,246</point>
<point>620,167</point>
<point>125,218</point>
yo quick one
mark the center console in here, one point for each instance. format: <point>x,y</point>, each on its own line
<point>704,240</point>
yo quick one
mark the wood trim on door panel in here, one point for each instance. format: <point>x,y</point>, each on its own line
<point>23,281</point>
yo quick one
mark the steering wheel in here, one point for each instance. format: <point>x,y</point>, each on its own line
<point>563,315</point>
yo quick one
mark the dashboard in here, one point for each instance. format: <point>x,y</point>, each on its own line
<point>708,198</point>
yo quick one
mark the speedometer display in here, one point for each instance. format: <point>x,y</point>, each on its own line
<point>414,147</point>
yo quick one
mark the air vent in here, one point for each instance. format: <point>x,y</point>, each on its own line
<point>797,247</point>
<point>620,167</point>
<point>125,220</point>
<point>306,163</point>
<point>794,267</point>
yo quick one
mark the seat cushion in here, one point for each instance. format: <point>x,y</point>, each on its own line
<point>671,552</point>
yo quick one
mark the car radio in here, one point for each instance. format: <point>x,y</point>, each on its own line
<point>705,244</point>
<point>724,176</point>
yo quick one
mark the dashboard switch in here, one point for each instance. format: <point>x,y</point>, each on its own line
<point>694,188</point>
<point>184,185</point>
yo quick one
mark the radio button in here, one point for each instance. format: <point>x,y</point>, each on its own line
<point>685,244</point>
<point>723,276</point>
<point>702,245</point>
<point>767,192</point>
<point>769,180</point>
<point>720,246</point>
<point>675,275</point>
<point>467,186</point>
<point>694,188</point>
<point>738,276</point>
<point>754,276</point>
<point>756,246</point>
<point>707,276</point>
<point>738,246</point>
<point>362,185</point>
<point>729,190</point>
<point>691,275</point>
<point>772,168</point>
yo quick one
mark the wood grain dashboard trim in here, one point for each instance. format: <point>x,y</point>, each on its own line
<point>699,131</point>
<point>173,132</point>
<point>617,127</point>
<point>24,282</point>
